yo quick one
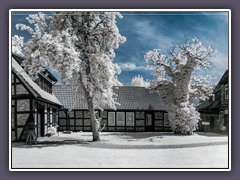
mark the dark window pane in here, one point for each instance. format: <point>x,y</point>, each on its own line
<point>103,114</point>
<point>158,115</point>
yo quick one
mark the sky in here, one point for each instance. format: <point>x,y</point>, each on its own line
<point>145,31</point>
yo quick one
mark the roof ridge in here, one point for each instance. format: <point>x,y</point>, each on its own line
<point>128,86</point>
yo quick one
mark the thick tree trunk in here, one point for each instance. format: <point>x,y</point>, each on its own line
<point>94,123</point>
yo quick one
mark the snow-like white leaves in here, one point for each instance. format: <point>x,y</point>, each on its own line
<point>198,52</point>
<point>156,56</point>
<point>79,45</point>
<point>201,87</point>
<point>185,118</point>
<point>17,45</point>
<point>174,82</point>
<point>139,81</point>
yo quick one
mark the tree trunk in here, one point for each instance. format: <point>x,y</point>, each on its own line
<point>94,123</point>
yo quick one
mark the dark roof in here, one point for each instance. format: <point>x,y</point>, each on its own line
<point>18,58</point>
<point>35,90</point>
<point>130,98</point>
<point>223,80</point>
<point>209,105</point>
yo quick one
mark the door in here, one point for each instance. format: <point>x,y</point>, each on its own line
<point>212,123</point>
<point>41,122</point>
<point>149,122</point>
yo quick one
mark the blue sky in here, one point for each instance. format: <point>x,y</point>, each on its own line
<point>150,30</point>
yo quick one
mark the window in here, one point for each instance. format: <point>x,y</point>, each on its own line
<point>129,118</point>
<point>54,117</point>
<point>111,118</point>
<point>148,119</point>
<point>103,114</point>
<point>158,115</point>
<point>212,98</point>
<point>140,115</point>
<point>166,120</point>
<point>226,91</point>
<point>48,116</point>
<point>120,119</point>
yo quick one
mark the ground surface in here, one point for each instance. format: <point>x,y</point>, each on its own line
<point>124,150</point>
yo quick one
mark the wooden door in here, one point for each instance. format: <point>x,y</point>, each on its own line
<point>149,122</point>
<point>41,122</point>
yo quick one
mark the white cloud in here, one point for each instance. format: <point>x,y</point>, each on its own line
<point>127,66</point>
<point>133,67</point>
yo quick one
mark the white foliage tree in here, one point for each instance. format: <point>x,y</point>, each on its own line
<point>17,45</point>
<point>175,83</point>
<point>80,45</point>
<point>139,81</point>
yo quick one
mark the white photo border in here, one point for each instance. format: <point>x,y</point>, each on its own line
<point>122,169</point>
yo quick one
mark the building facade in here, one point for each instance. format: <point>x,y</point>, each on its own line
<point>215,109</point>
<point>34,107</point>
<point>139,110</point>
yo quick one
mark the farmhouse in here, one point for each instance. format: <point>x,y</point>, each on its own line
<point>139,110</point>
<point>34,107</point>
<point>38,105</point>
<point>215,109</point>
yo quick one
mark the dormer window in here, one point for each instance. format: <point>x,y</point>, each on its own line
<point>226,91</point>
<point>44,84</point>
<point>212,97</point>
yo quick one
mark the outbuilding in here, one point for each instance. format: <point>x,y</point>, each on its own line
<point>139,110</point>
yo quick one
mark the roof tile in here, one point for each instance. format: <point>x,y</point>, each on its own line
<point>129,97</point>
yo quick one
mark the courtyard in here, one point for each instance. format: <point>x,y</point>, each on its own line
<point>123,150</point>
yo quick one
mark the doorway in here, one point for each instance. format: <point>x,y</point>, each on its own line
<point>149,122</point>
<point>41,122</point>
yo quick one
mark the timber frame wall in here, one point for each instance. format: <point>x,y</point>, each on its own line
<point>29,113</point>
<point>119,120</point>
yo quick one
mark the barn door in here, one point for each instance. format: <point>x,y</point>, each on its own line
<point>149,122</point>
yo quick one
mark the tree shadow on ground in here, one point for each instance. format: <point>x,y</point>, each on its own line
<point>143,135</point>
<point>104,145</point>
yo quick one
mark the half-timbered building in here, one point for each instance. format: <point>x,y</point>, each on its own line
<point>139,110</point>
<point>34,107</point>
<point>214,110</point>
